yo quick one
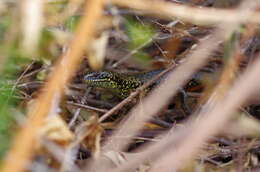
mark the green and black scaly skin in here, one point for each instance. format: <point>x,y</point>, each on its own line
<point>121,84</point>
<point>124,84</point>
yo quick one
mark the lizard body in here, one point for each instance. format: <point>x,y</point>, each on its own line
<point>121,84</point>
<point>124,84</point>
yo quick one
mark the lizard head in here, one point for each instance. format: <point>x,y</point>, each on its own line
<point>120,83</point>
<point>101,79</point>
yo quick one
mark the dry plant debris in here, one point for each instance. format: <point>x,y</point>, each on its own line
<point>129,85</point>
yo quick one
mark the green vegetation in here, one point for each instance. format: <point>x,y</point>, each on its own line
<point>140,36</point>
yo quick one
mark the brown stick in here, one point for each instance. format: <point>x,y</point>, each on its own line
<point>87,107</point>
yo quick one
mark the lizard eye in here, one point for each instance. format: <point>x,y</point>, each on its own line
<point>92,76</point>
<point>105,75</point>
<point>97,76</point>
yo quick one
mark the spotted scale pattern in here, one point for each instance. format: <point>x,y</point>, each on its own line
<point>120,83</point>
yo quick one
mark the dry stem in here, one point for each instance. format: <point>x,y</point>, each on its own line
<point>196,15</point>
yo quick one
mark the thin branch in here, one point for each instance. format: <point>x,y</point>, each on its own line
<point>77,112</point>
<point>132,52</point>
<point>87,107</point>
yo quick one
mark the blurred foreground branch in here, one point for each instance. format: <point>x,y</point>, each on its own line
<point>195,15</point>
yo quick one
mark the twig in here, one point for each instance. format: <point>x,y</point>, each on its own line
<point>77,112</point>
<point>87,107</point>
<point>34,72</point>
<point>127,56</point>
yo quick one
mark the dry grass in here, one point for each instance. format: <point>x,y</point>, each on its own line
<point>185,143</point>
